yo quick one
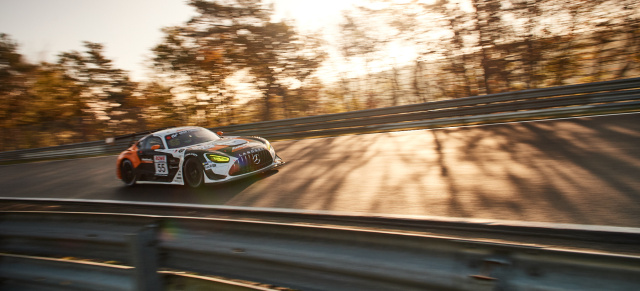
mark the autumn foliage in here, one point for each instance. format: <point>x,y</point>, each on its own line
<point>234,63</point>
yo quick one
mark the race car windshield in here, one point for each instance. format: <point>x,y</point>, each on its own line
<point>190,137</point>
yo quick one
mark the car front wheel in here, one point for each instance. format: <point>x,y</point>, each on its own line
<point>193,173</point>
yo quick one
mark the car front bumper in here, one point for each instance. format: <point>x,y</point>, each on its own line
<point>277,163</point>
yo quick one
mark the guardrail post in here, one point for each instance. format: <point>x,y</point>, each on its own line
<point>144,252</point>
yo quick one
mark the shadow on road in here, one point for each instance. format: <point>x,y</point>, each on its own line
<point>568,171</point>
<point>581,171</point>
<point>207,194</point>
<point>584,171</point>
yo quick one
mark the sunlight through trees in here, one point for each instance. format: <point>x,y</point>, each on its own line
<point>234,62</point>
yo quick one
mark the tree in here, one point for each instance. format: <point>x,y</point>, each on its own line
<point>106,91</point>
<point>55,107</point>
<point>157,107</point>
<point>14,84</point>
<point>231,36</point>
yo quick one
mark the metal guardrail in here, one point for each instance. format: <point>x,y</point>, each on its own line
<point>570,100</point>
<point>21,273</point>
<point>84,149</point>
<point>490,107</point>
<point>310,257</point>
<point>445,226</point>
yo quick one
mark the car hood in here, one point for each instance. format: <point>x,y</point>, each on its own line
<point>234,146</point>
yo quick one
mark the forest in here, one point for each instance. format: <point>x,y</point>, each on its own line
<point>235,63</point>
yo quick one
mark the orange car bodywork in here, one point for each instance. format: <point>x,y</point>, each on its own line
<point>130,154</point>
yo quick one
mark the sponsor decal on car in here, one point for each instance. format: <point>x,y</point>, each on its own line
<point>232,142</point>
<point>178,177</point>
<point>253,151</point>
<point>160,163</point>
<point>209,165</point>
<point>217,148</point>
<point>181,133</point>
<point>203,146</point>
<point>235,149</point>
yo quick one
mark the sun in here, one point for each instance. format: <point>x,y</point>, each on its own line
<point>312,15</point>
<point>319,14</point>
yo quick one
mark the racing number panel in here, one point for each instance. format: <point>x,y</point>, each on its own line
<point>154,164</point>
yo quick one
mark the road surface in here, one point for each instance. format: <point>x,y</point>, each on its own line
<point>580,170</point>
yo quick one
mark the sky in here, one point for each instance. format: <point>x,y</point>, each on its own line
<point>127,28</point>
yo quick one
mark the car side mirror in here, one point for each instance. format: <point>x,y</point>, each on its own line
<point>219,133</point>
<point>155,147</point>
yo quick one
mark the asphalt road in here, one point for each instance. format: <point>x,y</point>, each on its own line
<point>582,170</point>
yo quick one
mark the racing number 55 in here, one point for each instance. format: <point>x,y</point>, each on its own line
<point>160,163</point>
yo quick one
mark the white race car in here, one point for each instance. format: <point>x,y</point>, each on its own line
<point>194,156</point>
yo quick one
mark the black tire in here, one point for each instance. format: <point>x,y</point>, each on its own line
<point>193,173</point>
<point>126,172</point>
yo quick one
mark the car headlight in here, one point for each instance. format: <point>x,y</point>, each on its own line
<point>217,158</point>
<point>268,145</point>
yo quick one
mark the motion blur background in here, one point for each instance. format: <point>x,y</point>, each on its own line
<point>217,63</point>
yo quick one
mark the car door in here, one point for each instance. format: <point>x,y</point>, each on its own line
<point>154,165</point>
